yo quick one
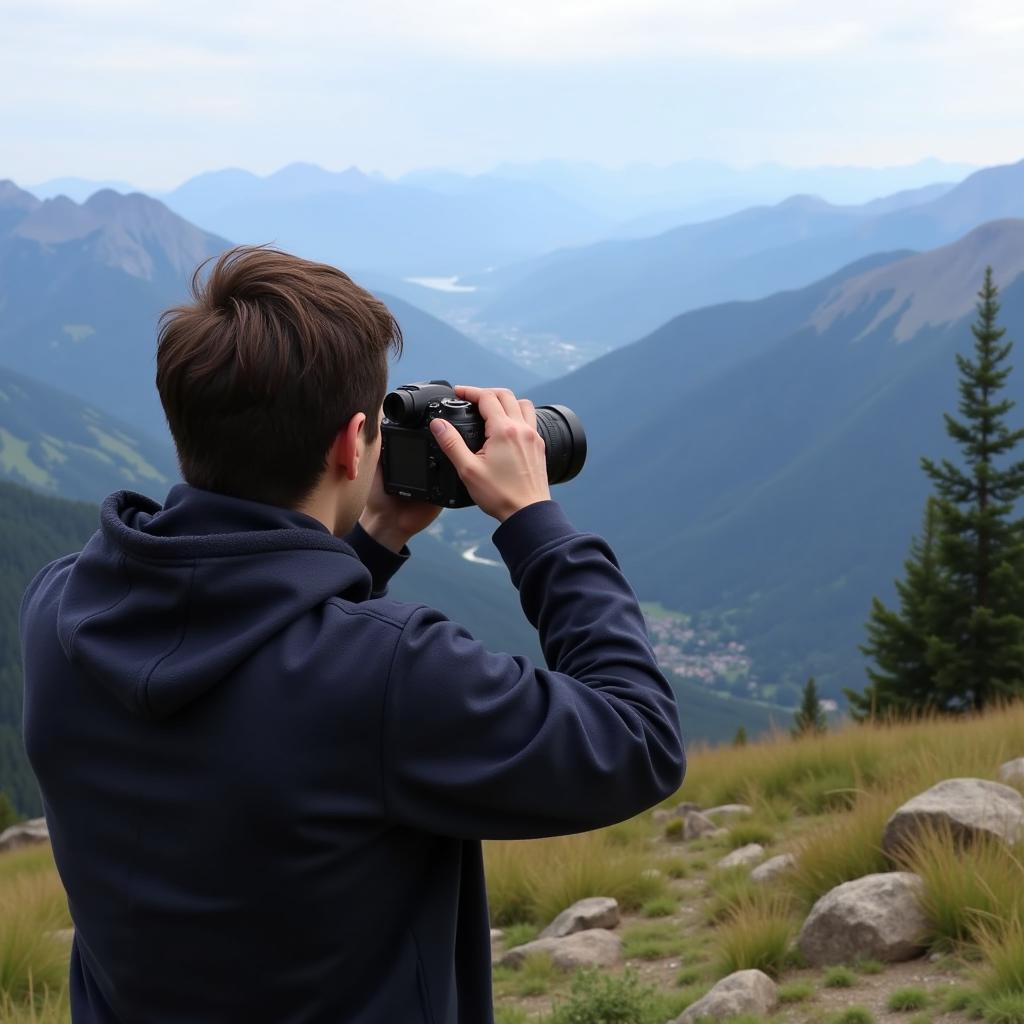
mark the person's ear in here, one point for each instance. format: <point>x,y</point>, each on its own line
<point>349,444</point>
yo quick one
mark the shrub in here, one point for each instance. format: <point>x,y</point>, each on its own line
<point>745,832</point>
<point>729,888</point>
<point>674,867</point>
<point>1001,944</point>
<point>965,889</point>
<point>674,829</point>
<point>756,935</point>
<point>957,1000</point>
<point>839,977</point>
<point>596,997</point>
<point>1007,1008</point>
<point>689,976</point>
<point>903,1000</point>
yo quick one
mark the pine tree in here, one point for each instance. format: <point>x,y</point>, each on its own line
<point>903,681</point>
<point>977,651</point>
<point>809,718</point>
<point>740,739</point>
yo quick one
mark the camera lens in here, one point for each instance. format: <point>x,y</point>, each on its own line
<point>565,441</point>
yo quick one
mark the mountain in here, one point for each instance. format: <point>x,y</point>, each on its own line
<point>760,459</point>
<point>368,223</point>
<point>58,444</point>
<point>78,189</point>
<point>82,287</point>
<point>615,291</point>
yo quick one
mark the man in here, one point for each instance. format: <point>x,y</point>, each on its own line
<point>266,783</point>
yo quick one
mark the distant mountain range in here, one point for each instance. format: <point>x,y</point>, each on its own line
<point>616,291</point>
<point>363,223</point>
<point>82,286</point>
<point>761,458</point>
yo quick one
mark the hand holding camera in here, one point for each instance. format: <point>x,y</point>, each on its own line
<point>462,446</point>
<point>510,471</point>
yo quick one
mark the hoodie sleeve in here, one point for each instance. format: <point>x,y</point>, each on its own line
<point>484,745</point>
<point>382,562</point>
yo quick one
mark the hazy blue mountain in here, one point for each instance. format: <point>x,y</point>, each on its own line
<point>357,221</point>
<point>60,445</point>
<point>78,189</point>
<point>638,189</point>
<point>763,456</point>
<point>616,291</point>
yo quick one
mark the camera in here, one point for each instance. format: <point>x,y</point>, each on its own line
<point>414,465</point>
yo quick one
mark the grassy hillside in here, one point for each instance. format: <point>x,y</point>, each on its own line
<point>685,923</point>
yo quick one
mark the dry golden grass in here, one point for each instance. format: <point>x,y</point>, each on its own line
<point>535,880</point>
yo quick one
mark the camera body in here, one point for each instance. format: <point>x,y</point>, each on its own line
<point>415,467</point>
<point>413,463</point>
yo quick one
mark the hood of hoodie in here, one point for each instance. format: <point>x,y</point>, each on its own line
<point>163,603</point>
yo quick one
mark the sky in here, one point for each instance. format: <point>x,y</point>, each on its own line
<point>153,92</point>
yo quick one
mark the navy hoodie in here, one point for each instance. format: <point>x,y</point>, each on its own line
<point>266,782</point>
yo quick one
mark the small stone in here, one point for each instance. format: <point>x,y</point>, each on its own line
<point>730,811</point>
<point>592,912</point>
<point>743,992</point>
<point>1012,771</point>
<point>497,935</point>
<point>773,867</point>
<point>877,917</point>
<point>744,856</point>
<point>595,947</point>
<point>685,808</point>
<point>661,815</point>
<point>696,824</point>
<point>25,833</point>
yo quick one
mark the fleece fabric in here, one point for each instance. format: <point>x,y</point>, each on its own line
<point>266,783</point>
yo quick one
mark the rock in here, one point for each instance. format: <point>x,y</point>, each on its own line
<point>968,807</point>
<point>773,867</point>
<point>497,935</point>
<point>729,811</point>
<point>744,856</point>
<point>25,833</point>
<point>744,992</point>
<point>877,917</point>
<point>592,912</point>
<point>718,833</point>
<point>685,808</point>
<point>1012,771</point>
<point>595,947</point>
<point>696,824</point>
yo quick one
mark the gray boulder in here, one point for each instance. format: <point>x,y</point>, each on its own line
<point>595,947</point>
<point>696,824</point>
<point>877,917</point>
<point>25,833</point>
<point>592,912</point>
<point>1012,771</point>
<point>969,808</point>
<point>743,992</point>
<point>773,868</point>
<point>729,811</point>
<point>744,856</point>
<point>685,808</point>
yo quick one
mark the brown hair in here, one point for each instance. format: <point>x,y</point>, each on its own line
<point>258,373</point>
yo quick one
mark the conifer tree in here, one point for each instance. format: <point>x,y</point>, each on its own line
<point>740,739</point>
<point>903,679</point>
<point>957,641</point>
<point>978,650</point>
<point>809,718</point>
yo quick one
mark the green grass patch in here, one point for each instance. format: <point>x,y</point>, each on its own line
<point>533,977</point>
<point>796,992</point>
<point>1006,1008</point>
<point>519,934</point>
<point>869,967</point>
<point>757,935</point>
<point>906,1000</point>
<point>745,832</point>
<point>839,977</point>
<point>663,906</point>
<point>674,867</point>
<point>655,941</point>
<point>853,1015</point>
